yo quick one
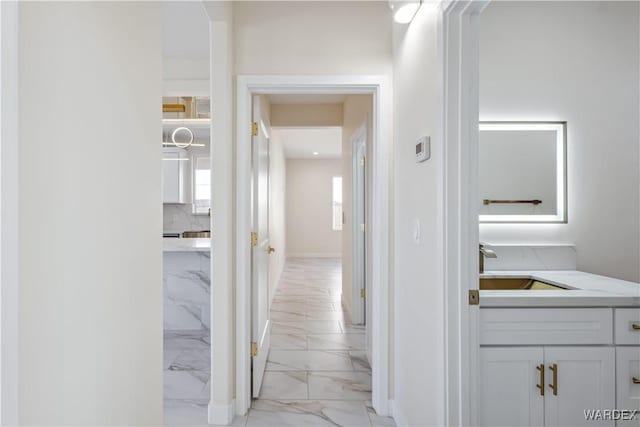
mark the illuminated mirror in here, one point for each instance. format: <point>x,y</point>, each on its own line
<point>522,172</point>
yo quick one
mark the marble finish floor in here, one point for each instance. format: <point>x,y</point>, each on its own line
<point>187,367</point>
<point>317,371</point>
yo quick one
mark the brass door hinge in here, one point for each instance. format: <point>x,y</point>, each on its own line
<point>254,239</point>
<point>363,293</point>
<point>254,128</point>
<point>362,161</point>
<point>474,297</point>
<point>254,349</point>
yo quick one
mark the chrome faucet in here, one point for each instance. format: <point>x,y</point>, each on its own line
<point>485,252</point>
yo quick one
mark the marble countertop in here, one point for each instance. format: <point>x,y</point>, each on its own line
<point>186,245</point>
<point>583,290</point>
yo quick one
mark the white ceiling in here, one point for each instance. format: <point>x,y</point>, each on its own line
<point>185,30</point>
<point>307,99</point>
<point>301,143</point>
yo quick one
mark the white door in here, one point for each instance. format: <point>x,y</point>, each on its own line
<point>628,381</point>
<point>359,191</point>
<point>585,379</point>
<point>260,325</point>
<point>510,380</point>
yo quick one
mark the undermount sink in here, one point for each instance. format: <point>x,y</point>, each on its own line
<point>515,284</point>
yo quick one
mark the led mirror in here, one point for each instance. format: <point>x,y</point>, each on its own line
<point>522,172</point>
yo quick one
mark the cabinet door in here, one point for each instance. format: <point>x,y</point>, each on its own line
<point>508,392</point>
<point>170,177</point>
<point>175,176</point>
<point>628,381</point>
<point>585,381</point>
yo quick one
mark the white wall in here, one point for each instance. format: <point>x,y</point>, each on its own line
<point>90,308</point>
<point>418,286</point>
<point>573,61</point>
<point>223,334</point>
<point>303,37</point>
<point>306,115</point>
<point>277,211</point>
<point>9,355</point>
<point>309,207</point>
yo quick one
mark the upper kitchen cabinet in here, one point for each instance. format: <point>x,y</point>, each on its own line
<point>176,174</point>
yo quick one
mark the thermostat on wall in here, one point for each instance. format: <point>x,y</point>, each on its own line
<point>423,149</point>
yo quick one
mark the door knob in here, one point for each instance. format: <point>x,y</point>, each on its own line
<point>271,249</point>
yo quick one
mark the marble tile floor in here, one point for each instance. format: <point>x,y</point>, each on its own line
<point>187,366</point>
<point>317,371</point>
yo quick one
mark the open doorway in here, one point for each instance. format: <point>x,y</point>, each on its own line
<point>305,343</point>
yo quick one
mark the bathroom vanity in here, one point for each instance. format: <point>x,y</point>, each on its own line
<point>554,342</point>
<point>549,354</point>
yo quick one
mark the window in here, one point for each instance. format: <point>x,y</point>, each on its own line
<point>337,204</point>
<point>201,185</point>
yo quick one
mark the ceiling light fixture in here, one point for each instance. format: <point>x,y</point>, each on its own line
<point>315,153</point>
<point>182,129</point>
<point>404,10</point>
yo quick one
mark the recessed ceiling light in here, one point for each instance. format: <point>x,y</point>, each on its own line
<point>404,10</point>
<point>315,153</point>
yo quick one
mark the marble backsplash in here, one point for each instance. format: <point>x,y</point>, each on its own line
<point>179,218</point>
<point>531,257</point>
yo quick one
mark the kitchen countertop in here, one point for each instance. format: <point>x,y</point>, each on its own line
<point>584,290</point>
<point>186,244</point>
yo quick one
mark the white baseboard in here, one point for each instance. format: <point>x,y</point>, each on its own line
<point>397,414</point>
<point>222,415</point>
<point>315,255</point>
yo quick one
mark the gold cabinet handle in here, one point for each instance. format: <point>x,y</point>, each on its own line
<point>554,384</point>
<point>271,249</point>
<point>540,369</point>
<point>635,380</point>
<point>635,326</point>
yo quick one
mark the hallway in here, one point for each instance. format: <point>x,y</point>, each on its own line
<point>317,372</point>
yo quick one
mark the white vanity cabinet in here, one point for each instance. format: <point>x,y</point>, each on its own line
<point>546,366</point>
<point>508,382</point>
<point>585,380</point>
<point>627,338</point>
<point>628,381</point>
<point>518,387</point>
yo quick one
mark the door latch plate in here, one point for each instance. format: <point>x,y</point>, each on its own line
<point>474,297</point>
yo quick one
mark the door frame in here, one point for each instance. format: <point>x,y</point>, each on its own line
<point>379,88</point>
<point>9,213</point>
<point>460,33</point>
<point>358,310</point>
